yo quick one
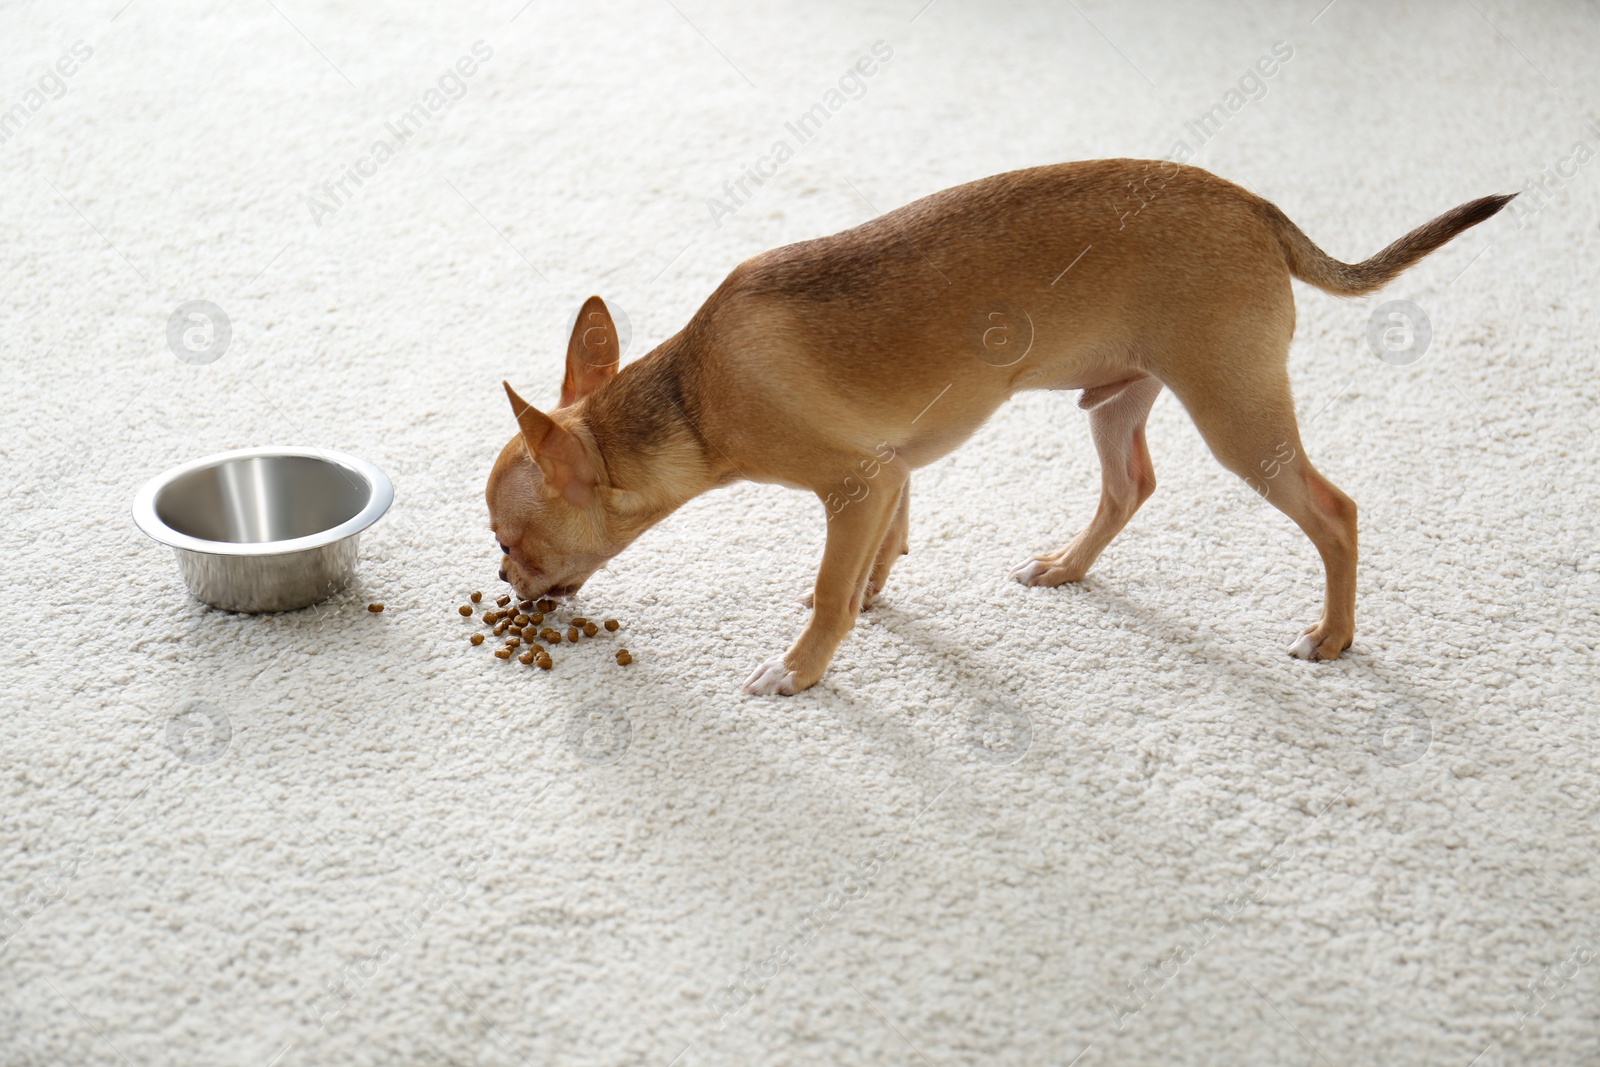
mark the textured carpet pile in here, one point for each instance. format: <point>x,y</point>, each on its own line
<point>1112,823</point>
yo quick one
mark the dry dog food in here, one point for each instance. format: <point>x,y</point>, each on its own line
<point>519,626</point>
<point>374,608</point>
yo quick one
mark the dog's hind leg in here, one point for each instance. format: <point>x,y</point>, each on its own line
<point>1127,479</point>
<point>1248,420</point>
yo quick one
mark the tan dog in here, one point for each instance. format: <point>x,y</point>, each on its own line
<point>841,364</point>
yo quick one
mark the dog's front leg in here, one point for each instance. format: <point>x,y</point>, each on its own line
<point>856,530</point>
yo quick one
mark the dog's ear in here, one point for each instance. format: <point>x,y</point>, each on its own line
<point>593,352</point>
<point>560,456</point>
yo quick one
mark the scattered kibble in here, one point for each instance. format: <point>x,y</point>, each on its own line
<point>519,625</point>
<point>374,608</point>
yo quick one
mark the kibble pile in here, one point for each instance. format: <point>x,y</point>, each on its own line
<point>520,625</point>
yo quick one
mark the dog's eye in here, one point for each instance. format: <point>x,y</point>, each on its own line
<point>504,549</point>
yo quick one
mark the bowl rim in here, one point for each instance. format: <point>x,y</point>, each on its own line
<point>380,495</point>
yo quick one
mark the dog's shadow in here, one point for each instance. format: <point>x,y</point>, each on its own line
<point>1287,692</point>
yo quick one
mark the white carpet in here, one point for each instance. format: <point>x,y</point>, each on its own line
<point>1208,852</point>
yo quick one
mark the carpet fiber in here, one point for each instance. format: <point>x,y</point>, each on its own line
<point>1011,826</point>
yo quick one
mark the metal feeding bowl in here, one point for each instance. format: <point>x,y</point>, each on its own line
<point>264,529</point>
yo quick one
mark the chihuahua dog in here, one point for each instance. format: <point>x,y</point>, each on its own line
<point>841,364</point>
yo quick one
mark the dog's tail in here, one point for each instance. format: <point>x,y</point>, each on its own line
<point>1311,264</point>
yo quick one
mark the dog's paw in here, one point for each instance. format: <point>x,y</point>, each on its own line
<point>1028,571</point>
<point>772,678</point>
<point>1303,648</point>
<point>1317,644</point>
<point>1045,572</point>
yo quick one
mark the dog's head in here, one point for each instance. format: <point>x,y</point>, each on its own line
<point>548,492</point>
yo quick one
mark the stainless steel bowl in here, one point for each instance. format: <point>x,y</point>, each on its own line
<point>264,529</point>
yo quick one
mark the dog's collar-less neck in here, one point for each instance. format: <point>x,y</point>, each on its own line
<point>641,431</point>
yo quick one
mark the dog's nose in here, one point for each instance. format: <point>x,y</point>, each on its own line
<point>502,574</point>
